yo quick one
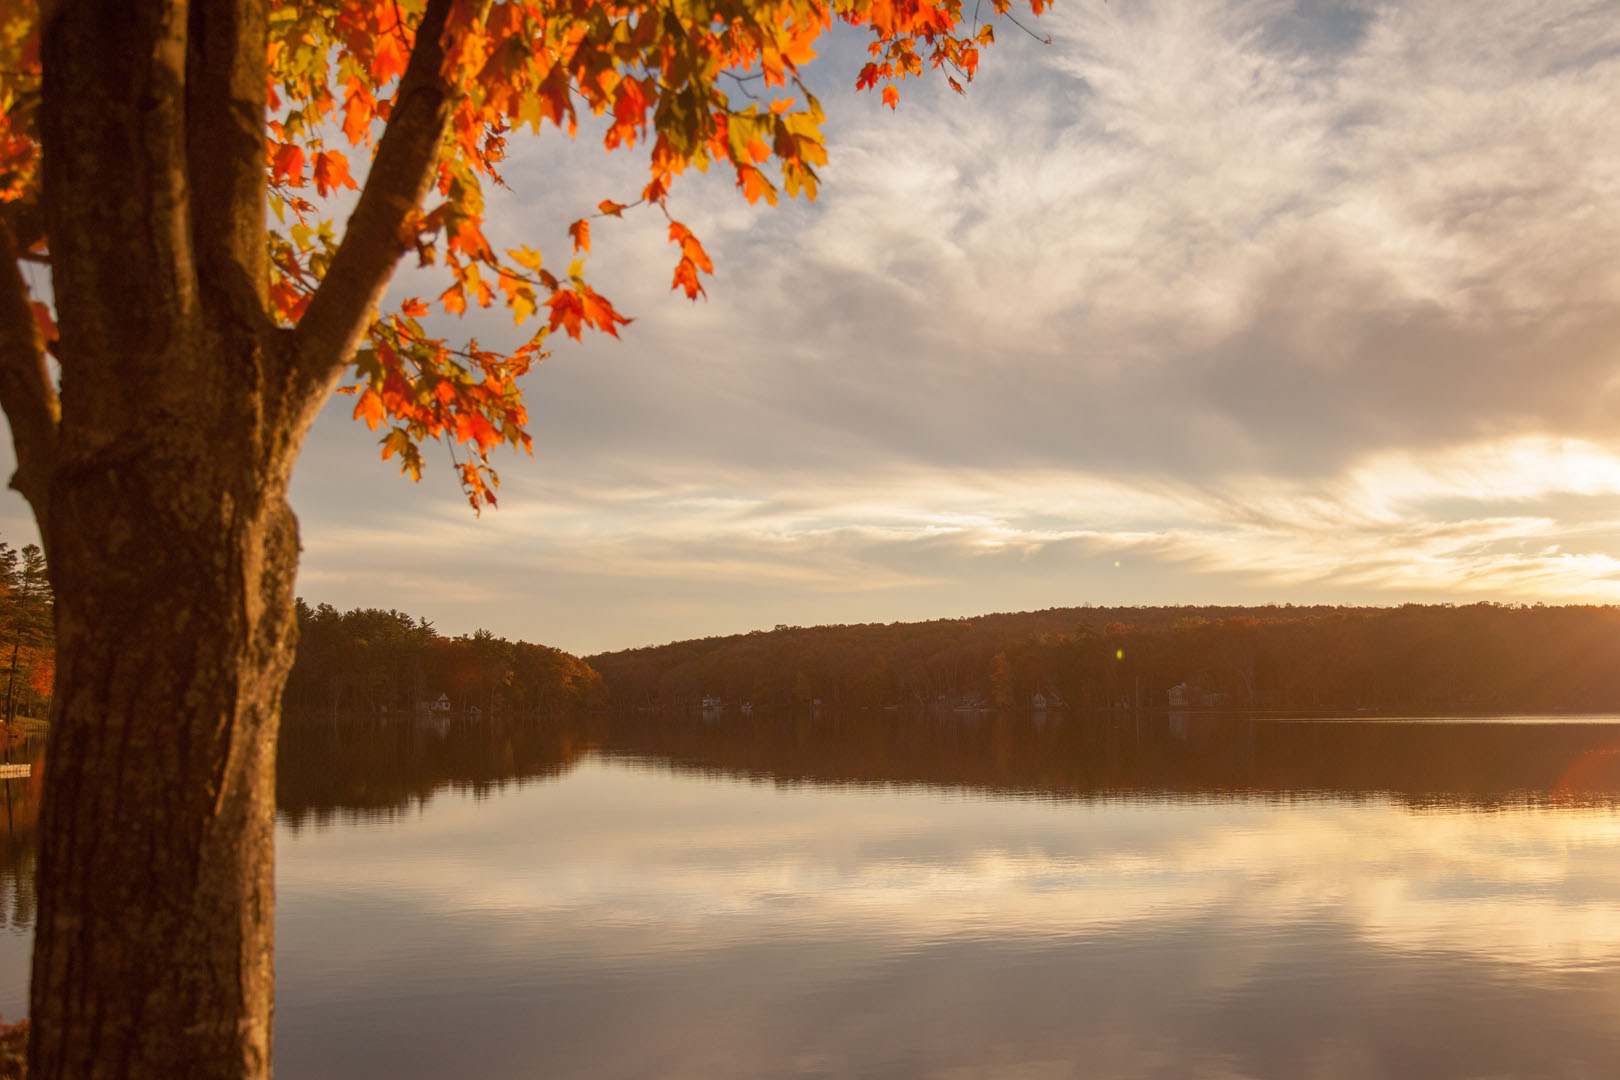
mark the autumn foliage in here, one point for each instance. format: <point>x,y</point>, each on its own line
<point>691,83</point>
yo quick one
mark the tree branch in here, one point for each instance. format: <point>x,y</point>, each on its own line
<point>225,78</point>
<point>116,206</point>
<point>373,241</point>
<point>26,392</point>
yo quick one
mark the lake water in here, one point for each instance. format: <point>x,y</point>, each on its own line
<point>947,896</point>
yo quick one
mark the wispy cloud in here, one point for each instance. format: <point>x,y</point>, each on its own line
<point>609,564</point>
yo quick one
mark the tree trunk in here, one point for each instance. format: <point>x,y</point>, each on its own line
<point>159,477</point>
<point>153,951</point>
<point>172,549</point>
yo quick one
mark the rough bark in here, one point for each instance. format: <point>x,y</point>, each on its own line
<point>160,481</point>
<point>153,948</point>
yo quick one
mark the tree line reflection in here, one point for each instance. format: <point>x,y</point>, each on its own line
<point>371,768</point>
<point>368,768</point>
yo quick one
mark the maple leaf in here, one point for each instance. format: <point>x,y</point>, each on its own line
<point>359,109</point>
<point>754,185</point>
<point>332,172</point>
<point>369,408</point>
<point>596,311</point>
<point>566,312</point>
<point>395,442</point>
<point>287,164</point>
<point>529,260</point>
<point>389,57</point>
<point>581,232</point>
<point>686,278</point>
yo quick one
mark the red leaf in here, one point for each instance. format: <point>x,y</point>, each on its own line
<point>288,163</point>
<point>565,312</point>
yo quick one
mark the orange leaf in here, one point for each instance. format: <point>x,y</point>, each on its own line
<point>565,312</point>
<point>369,408</point>
<point>332,171</point>
<point>581,232</point>
<point>754,184</point>
<point>611,208</point>
<point>629,113</point>
<point>388,58</point>
<point>599,313</point>
<point>288,163</point>
<point>694,251</point>
<point>359,108</point>
<point>686,278</point>
<point>891,96</point>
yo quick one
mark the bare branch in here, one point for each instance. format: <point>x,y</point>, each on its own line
<point>26,392</point>
<point>374,240</point>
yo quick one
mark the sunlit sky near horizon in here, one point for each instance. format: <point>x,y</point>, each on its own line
<point>1204,302</point>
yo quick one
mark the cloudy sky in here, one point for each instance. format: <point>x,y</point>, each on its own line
<point>1225,301</point>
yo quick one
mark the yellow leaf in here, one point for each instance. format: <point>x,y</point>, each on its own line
<point>526,258</point>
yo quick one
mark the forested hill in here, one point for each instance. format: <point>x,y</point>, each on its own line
<point>370,661</point>
<point>1480,657</point>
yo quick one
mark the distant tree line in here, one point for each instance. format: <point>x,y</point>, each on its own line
<point>373,662</point>
<point>1479,657</point>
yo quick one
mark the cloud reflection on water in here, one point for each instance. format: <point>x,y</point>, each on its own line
<point>629,920</point>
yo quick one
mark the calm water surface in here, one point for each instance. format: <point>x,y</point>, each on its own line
<point>879,895</point>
